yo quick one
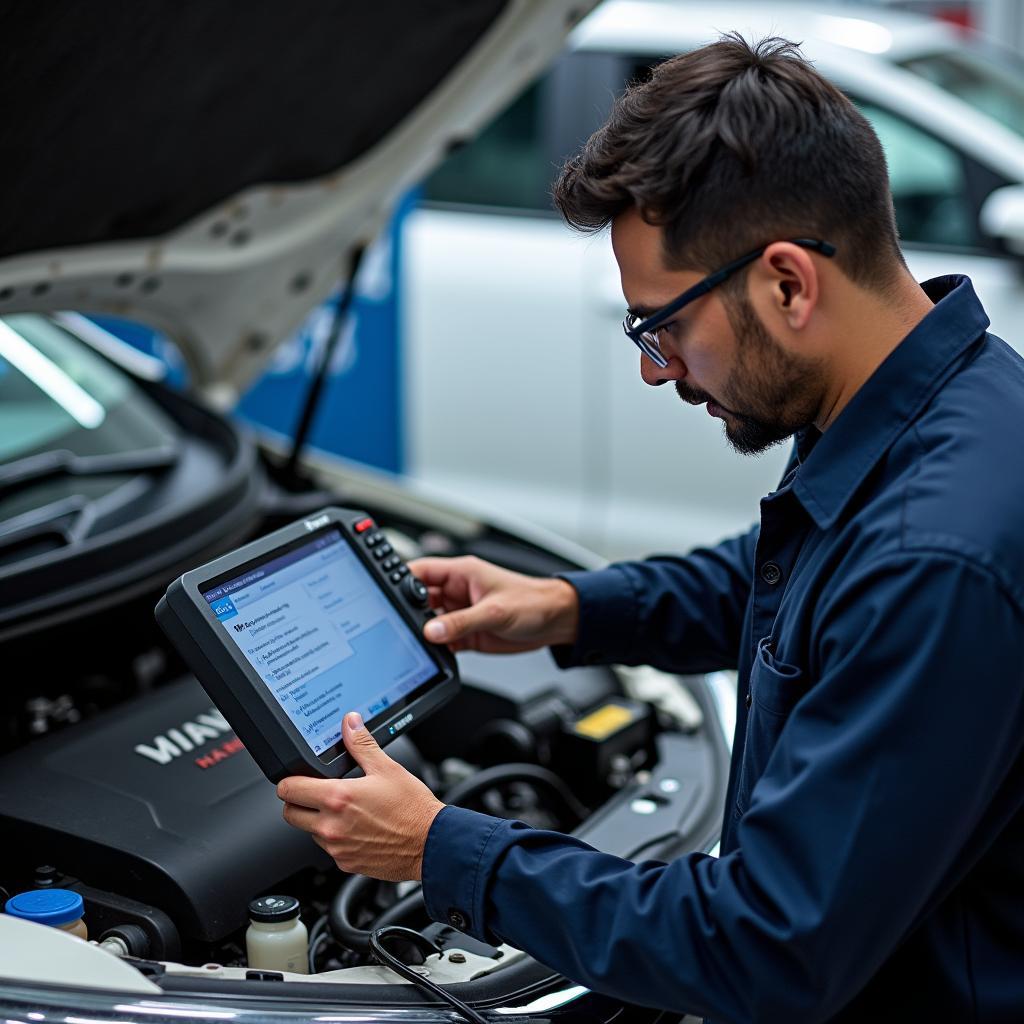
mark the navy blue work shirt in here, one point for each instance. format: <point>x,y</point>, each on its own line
<point>872,857</point>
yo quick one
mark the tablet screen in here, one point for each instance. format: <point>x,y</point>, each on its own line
<point>323,637</point>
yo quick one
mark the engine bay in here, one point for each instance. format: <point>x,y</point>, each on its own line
<point>121,782</point>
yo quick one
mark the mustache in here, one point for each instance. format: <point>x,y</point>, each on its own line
<point>692,395</point>
<point>695,396</point>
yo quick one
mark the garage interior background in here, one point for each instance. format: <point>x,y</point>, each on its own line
<point>371,424</point>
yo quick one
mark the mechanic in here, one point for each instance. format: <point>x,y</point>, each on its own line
<point>872,855</point>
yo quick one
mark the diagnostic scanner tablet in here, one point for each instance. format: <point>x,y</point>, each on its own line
<point>292,631</point>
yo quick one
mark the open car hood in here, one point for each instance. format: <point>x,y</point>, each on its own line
<point>208,168</point>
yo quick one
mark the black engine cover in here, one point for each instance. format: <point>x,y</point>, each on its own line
<point>158,801</point>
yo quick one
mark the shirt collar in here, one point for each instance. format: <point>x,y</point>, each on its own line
<point>835,463</point>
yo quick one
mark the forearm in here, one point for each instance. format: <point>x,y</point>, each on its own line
<point>689,936</point>
<point>678,614</point>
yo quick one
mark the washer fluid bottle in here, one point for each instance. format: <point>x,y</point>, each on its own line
<point>276,939</point>
<point>59,908</point>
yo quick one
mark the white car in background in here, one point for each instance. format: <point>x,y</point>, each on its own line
<point>522,390</point>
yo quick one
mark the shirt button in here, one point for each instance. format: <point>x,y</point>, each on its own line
<point>747,701</point>
<point>457,919</point>
<point>771,573</point>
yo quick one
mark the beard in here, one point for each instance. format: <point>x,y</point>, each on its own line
<point>771,393</point>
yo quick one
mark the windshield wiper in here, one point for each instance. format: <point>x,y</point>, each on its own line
<point>61,462</point>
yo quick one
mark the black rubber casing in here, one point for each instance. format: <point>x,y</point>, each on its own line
<point>234,686</point>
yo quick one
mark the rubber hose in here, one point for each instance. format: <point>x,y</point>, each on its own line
<point>342,912</point>
<point>487,779</point>
<point>401,909</point>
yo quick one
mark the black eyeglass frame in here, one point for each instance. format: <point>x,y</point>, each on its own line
<point>646,339</point>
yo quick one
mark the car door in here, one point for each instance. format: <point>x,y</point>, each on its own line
<point>499,375</point>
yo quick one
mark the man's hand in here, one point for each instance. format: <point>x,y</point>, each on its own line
<point>374,826</point>
<point>486,608</point>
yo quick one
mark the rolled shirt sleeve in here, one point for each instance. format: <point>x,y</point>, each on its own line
<point>893,773</point>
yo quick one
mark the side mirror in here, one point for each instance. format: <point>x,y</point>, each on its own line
<point>1002,217</point>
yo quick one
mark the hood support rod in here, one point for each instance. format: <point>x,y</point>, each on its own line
<point>316,385</point>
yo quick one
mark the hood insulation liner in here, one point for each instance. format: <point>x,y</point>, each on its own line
<point>125,120</point>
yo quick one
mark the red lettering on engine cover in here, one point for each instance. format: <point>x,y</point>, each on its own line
<point>221,753</point>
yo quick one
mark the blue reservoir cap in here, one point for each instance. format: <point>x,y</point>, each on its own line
<point>46,906</point>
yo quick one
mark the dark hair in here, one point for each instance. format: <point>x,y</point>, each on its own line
<point>733,146</point>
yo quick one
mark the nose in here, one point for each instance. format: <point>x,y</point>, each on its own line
<point>656,375</point>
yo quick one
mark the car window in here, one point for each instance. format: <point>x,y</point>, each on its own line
<point>929,183</point>
<point>513,162</point>
<point>989,82</point>
<point>505,166</point>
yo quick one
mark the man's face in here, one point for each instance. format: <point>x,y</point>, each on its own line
<point>719,351</point>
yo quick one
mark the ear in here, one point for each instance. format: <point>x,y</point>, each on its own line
<point>787,275</point>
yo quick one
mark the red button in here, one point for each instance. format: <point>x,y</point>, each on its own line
<point>363,525</point>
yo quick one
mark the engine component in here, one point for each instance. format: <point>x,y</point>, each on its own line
<point>513,708</point>
<point>445,937</point>
<point>111,913</point>
<point>616,735</point>
<point>353,891</point>
<point>276,939</point>
<point>126,940</point>
<point>522,708</point>
<point>157,801</point>
<point>661,813</point>
<point>409,937</point>
<point>490,778</point>
<point>59,908</point>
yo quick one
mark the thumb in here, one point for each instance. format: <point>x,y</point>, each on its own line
<point>485,617</point>
<point>359,742</point>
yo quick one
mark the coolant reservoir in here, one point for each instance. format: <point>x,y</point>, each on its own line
<point>276,939</point>
<point>60,908</point>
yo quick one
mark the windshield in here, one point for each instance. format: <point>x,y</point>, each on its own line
<point>56,393</point>
<point>989,81</point>
<point>73,428</point>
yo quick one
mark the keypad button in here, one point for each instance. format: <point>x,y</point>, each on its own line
<point>415,590</point>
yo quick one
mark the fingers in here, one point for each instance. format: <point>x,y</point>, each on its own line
<point>305,792</point>
<point>456,581</point>
<point>301,817</point>
<point>435,572</point>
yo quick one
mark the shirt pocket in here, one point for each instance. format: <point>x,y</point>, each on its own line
<point>775,687</point>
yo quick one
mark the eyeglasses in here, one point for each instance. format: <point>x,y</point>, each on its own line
<point>644,332</point>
